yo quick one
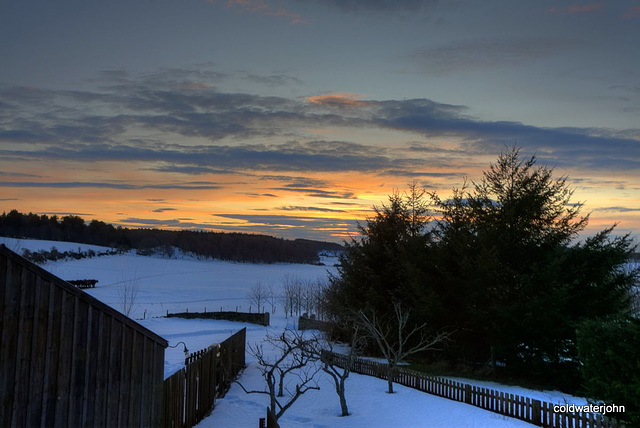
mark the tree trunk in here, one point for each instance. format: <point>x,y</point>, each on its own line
<point>390,372</point>
<point>281,386</point>
<point>343,399</point>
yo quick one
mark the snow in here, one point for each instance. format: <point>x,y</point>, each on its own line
<point>185,283</point>
<point>554,397</point>
<point>17,245</point>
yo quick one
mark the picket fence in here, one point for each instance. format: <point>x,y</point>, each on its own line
<point>530,410</point>
<point>189,394</point>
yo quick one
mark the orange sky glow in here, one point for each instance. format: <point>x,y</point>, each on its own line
<point>294,119</point>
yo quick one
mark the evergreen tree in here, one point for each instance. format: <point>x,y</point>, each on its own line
<point>507,244</point>
<point>610,354</point>
<point>385,263</point>
<point>502,266</point>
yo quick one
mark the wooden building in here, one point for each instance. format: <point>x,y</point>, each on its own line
<point>69,360</point>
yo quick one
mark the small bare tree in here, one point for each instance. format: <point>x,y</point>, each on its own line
<point>395,340</point>
<point>292,291</point>
<point>128,295</point>
<point>258,295</point>
<point>340,370</point>
<point>272,298</point>
<point>286,298</point>
<point>298,291</point>
<point>294,359</point>
<point>319,303</point>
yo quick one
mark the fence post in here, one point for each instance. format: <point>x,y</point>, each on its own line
<point>467,393</point>
<point>535,412</point>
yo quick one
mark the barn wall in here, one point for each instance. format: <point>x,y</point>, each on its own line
<point>69,360</point>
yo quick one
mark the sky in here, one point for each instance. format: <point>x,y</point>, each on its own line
<point>295,117</point>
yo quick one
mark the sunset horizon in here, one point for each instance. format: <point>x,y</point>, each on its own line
<point>293,119</point>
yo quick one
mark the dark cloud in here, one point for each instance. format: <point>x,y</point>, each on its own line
<point>154,222</point>
<point>161,210</point>
<point>272,219</point>
<point>423,174</point>
<point>318,209</point>
<point>258,195</point>
<point>95,125</point>
<point>470,55</point>
<point>19,174</point>
<point>595,183</point>
<point>297,181</point>
<point>318,193</point>
<point>617,209</point>
<point>107,185</point>
<point>65,213</point>
<point>191,169</point>
<point>381,5</point>
<point>291,156</point>
<point>273,80</point>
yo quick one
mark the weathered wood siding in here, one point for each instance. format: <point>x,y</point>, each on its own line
<point>69,360</point>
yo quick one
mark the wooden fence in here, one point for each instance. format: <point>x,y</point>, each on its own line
<point>69,360</point>
<point>536,412</point>
<point>306,323</point>
<point>254,318</point>
<point>190,393</point>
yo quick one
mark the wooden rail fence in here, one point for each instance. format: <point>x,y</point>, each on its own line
<point>530,410</point>
<point>189,394</point>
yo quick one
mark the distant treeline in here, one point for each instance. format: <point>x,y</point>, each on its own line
<point>239,247</point>
<point>43,256</point>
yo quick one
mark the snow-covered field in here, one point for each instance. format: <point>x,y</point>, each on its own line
<point>186,283</point>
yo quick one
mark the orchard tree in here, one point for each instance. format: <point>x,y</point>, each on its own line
<point>397,339</point>
<point>294,358</point>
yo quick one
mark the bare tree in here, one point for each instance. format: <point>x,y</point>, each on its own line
<point>312,293</point>
<point>395,340</point>
<point>272,298</point>
<point>294,359</point>
<point>306,297</point>
<point>339,367</point>
<point>319,303</point>
<point>291,295</point>
<point>258,295</point>
<point>128,295</point>
<point>298,291</point>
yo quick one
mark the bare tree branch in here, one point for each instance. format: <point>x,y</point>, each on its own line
<point>395,341</point>
<point>293,359</point>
